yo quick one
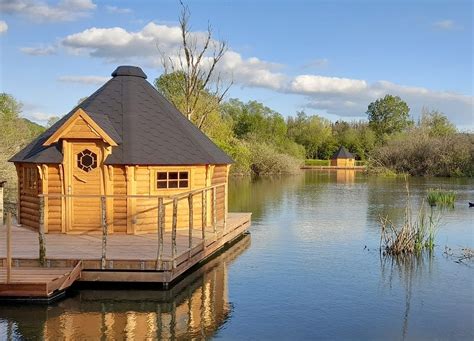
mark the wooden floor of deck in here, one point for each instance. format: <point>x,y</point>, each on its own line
<point>129,257</point>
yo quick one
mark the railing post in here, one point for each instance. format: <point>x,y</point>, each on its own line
<point>161,223</point>
<point>42,247</point>
<point>191,222</point>
<point>173,231</point>
<point>103,209</point>
<point>9,246</point>
<point>204,217</point>
<point>225,206</point>
<point>214,210</point>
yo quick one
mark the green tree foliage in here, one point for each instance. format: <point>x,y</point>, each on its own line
<point>16,133</point>
<point>436,123</point>
<point>388,115</point>
<point>357,137</point>
<point>314,133</point>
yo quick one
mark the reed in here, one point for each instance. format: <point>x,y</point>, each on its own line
<point>438,197</point>
<point>415,234</point>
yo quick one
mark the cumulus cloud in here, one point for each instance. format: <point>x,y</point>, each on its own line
<point>38,117</point>
<point>117,45</point>
<point>335,95</point>
<point>3,27</point>
<point>446,25</point>
<point>93,80</point>
<point>64,10</point>
<point>354,101</point>
<point>118,10</point>
<point>39,50</point>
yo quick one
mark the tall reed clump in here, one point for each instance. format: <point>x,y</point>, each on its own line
<point>443,199</point>
<point>417,232</point>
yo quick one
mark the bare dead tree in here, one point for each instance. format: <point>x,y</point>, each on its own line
<point>197,61</point>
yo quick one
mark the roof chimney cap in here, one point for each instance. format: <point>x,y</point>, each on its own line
<point>127,70</point>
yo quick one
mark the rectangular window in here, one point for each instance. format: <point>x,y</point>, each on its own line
<point>31,179</point>
<point>172,179</point>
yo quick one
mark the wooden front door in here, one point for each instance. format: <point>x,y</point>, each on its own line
<point>86,179</point>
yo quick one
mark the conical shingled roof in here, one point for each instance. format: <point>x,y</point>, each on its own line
<point>342,153</point>
<point>148,129</point>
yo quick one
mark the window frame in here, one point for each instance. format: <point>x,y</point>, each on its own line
<point>31,179</point>
<point>178,180</point>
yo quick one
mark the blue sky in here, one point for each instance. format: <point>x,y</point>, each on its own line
<point>330,58</point>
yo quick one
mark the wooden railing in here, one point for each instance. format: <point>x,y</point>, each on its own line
<point>162,202</point>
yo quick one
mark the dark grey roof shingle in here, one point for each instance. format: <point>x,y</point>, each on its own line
<point>148,129</point>
<point>342,153</point>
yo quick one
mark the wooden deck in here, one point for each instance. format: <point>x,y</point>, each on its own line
<point>37,282</point>
<point>129,258</point>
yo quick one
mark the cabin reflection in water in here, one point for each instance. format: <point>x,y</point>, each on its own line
<point>195,308</point>
<point>345,175</point>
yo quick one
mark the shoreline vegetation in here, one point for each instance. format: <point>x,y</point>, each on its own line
<point>417,232</point>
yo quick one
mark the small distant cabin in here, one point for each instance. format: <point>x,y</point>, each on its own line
<point>342,158</point>
<point>128,145</point>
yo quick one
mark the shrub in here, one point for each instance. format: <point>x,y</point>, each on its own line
<point>417,153</point>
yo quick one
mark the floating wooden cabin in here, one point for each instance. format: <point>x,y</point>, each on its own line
<point>342,158</point>
<point>122,189</point>
<point>122,147</point>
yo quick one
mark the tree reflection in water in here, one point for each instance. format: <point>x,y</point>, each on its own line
<point>196,307</point>
<point>406,268</point>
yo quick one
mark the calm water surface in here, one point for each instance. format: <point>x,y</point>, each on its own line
<point>310,269</point>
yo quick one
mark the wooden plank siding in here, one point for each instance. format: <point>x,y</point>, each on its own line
<point>54,205</point>
<point>218,177</point>
<point>126,215</point>
<point>29,200</point>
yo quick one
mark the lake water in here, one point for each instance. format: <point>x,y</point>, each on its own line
<point>309,269</point>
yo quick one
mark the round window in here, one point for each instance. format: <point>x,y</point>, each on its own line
<point>87,160</point>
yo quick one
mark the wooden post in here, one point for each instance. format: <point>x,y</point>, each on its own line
<point>9,246</point>
<point>1,202</point>
<point>161,226</point>
<point>225,206</point>
<point>214,209</point>
<point>42,247</point>
<point>103,209</point>
<point>173,231</point>
<point>191,222</point>
<point>204,217</point>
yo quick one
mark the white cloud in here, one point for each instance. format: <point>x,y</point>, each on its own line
<point>446,24</point>
<point>118,10</point>
<point>38,117</point>
<point>95,80</point>
<point>64,10</point>
<point>3,27</point>
<point>336,95</point>
<point>307,84</point>
<point>39,50</point>
<point>117,45</point>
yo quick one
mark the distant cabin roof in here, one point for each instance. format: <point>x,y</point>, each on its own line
<point>342,153</point>
<point>148,129</point>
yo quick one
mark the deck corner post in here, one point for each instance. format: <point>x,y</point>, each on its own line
<point>226,191</point>
<point>160,222</point>
<point>204,217</point>
<point>214,210</point>
<point>103,209</point>
<point>173,232</point>
<point>191,222</point>
<point>9,246</point>
<point>42,247</point>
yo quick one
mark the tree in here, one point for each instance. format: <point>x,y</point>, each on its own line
<point>388,115</point>
<point>51,121</point>
<point>314,133</point>
<point>196,63</point>
<point>436,123</point>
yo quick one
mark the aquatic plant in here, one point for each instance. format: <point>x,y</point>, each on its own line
<point>417,232</point>
<point>438,197</point>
